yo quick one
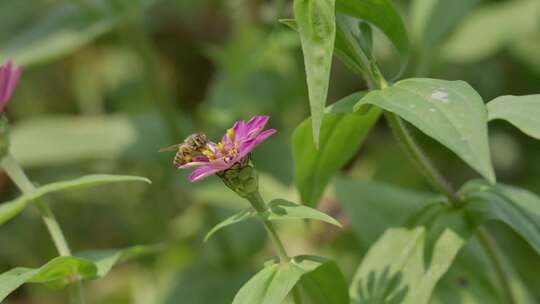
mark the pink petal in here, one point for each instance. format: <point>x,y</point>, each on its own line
<point>193,164</point>
<point>15,76</point>
<point>202,173</point>
<point>8,82</point>
<point>256,125</point>
<point>4,79</point>
<point>247,146</point>
<point>264,135</point>
<point>239,130</point>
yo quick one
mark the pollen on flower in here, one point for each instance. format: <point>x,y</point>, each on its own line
<point>209,154</point>
<point>230,134</point>
<point>220,147</point>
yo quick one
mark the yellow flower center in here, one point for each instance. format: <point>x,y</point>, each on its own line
<point>220,147</point>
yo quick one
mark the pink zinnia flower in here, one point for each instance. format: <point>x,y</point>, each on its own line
<point>8,81</point>
<point>235,145</point>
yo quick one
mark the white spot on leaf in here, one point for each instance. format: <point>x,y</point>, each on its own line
<point>441,95</point>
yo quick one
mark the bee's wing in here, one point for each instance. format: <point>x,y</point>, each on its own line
<point>170,148</point>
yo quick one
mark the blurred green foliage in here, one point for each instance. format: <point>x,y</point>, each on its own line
<point>109,82</point>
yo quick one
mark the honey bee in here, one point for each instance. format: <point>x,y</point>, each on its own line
<point>195,143</point>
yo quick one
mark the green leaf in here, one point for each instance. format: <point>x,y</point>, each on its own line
<point>469,280</point>
<point>382,14</point>
<point>65,270</point>
<point>237,218</point>
<point>433,20</point>
<point>342,133</point>
<point>58,272</point>
<point>14,207</point>
<point>521,111</point>
<point>280,209</point>
<point>291,23</point>
<point>272,284</point>
<point>516,208</point>
<point>347,47</point>
<point>269,286</point>
<point>405,264</point>
<point>373,207</point>
<point>451,112</point>
<point>491,28</point>
<point>325,284</point>
<point>316,24</point>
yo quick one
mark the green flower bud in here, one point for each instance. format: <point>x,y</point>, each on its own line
<point>241,178</point>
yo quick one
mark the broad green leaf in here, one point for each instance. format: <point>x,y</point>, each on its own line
<point>325,285</point>
<point>490,28</point>
<point>342,133</point>
<point>521,111</point>
<point>65,270</point>
<point>272,284</point>
<point>14,207</point>
<point>237,218</point>
<point>382,14</point>
<point>280,209</point>
<point>469,280</point>
<point>404,265</point>
<point>269,286</point>
<point>373,207</point>
<point>316,24</point>
<point>451,112</point>
<point>515,207</point>
<point>433,20</point>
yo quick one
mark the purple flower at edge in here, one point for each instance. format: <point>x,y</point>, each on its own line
<point>9,77</point>
<point>235,145</point>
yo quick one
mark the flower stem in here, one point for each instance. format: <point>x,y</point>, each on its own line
<point>500,265</point>
<point>421,160</point>
<point>17,175</point>
<point>260,206</point>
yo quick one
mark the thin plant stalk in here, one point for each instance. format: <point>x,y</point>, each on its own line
<point>500,264</point>
<point>21,180</point>
<point>260,206</point>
